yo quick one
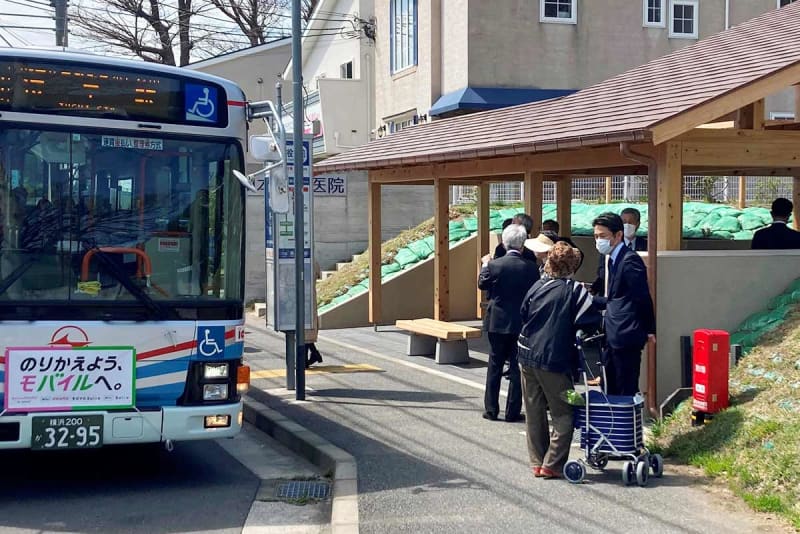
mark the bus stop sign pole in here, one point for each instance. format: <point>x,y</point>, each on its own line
<point>299,233</point>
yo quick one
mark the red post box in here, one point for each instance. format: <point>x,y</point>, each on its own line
<point>710,375</point>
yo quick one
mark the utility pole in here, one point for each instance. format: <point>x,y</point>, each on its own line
<point>299,221</point>
<point>62,32</point>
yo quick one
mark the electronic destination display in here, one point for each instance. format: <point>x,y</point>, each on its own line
<point>34,86</point>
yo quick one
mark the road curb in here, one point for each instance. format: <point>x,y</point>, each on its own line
<point>320,452</point>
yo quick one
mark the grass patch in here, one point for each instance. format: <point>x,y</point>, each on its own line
<point>753,446</point>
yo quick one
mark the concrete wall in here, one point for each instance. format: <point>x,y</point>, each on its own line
<point>455,45</point>
<point>341,223</point>
<point>712,289</point>
<point>410,295</point>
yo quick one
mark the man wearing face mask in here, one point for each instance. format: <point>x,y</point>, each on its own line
<point>631,219</point>
<point>629,317</point>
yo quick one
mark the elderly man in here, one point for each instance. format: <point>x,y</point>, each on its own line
<point>507,279</point>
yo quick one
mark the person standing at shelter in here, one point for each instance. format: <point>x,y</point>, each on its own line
<point>631,220</point>
<point>778,235</point>
<point>527,222</point>
<point>552,311</point>
<point>507,279</point>
<point>629,318</point>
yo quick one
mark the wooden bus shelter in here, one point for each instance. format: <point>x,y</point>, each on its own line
<point>697,111</point>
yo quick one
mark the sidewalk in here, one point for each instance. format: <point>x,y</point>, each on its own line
<point>428,462</point>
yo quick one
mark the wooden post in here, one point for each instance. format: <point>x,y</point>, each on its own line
<point>533,197</point>
<point>752,116</point>
<point>608,189</point>
<point>742,192</point>
<point>670,196</point>
<point>441,261</point>
<point>483,245</point>
<point>374,237</point>
<point>796,202</point>
<point>564,205</point>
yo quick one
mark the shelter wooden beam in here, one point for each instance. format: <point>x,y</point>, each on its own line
<point>374,243</point>
<point>562,162</point>
<point>484,246</point>
<point>671,128</point>
<point>670,196</point>
<point>796,201</point>
<point>533,195</point>
<point>751,116</point>
<point>564,205</point>
<point>753,153</point>
<point>609,189</point>
<point>742,192</point>
<point>441,261</point>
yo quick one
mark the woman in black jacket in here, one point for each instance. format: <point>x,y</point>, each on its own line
<point>553,310</point>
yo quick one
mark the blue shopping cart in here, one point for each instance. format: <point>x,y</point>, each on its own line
<point>610,428</point>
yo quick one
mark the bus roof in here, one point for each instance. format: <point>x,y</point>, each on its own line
<point>57,53</point>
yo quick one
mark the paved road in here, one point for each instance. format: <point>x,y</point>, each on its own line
<point>428,462</point>
<point>196,488</point>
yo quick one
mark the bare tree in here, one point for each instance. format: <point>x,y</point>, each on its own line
<point>307,9</point>
<point>151,29</point>
<point>254,17</point>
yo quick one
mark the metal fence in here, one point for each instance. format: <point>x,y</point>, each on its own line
<point>759,190</point>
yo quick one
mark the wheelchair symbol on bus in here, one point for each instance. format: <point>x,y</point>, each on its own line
<point>202,103</point>
<point>212,341</point>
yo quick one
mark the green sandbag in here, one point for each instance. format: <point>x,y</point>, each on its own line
<point>727,211</point>
<point>422,247</point>
<point>405,256</point>
<point>743,235</point>
<point>458,235</point>
<point>785,300</point>
<point>710,220</point>
<point>693,233</point>
<point>508,213</point>
<point>495,222</point>
<point>471,224</point>
<point>390,268</point>
<point>750,221</point>
<point>456,225</point>
<point>794,286</point>
<point>726,223</point>
<point>764,319</point>
<point>720,234</point>
<point>745,339</point>
<point>693,219</point>
<point>355,291</point>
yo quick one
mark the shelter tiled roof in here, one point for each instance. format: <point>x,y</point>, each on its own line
<point>622,108</point>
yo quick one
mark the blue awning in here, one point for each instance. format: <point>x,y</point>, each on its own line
<point>482,98</point>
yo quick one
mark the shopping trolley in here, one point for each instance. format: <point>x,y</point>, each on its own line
<point>610,429</point>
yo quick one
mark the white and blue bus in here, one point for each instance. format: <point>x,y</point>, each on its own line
<point>121,252</point>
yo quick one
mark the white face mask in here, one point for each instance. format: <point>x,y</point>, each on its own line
<point>603,246</point>
<point>629,230</point>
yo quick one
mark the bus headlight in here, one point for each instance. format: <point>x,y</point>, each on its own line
<point>215,392</point>
<point>215,370</point>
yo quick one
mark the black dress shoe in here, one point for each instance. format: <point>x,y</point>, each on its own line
<point>515,419</point>
<point>490,416</point>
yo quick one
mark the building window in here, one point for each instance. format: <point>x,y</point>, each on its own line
<point>563,11</point>
<point>782,3</point>
<point>781,116</point>
<point>403,35</point>
<point>346,71</point>
<point>683,21</point>
<point>653,13</point>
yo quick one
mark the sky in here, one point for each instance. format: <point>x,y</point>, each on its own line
<point>27,13</point>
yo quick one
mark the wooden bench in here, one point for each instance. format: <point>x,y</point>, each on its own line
<point>448,341</point>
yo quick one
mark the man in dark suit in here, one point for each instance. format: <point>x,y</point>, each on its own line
<point>631,220</point>
<point>507,279</point>
<point>629,317</point>
<point>525,220</point>
<point>778,235</point>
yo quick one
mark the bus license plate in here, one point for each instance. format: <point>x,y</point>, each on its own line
<point>67,432</point>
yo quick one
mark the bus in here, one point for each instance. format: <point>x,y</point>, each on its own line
<point>121,252</point>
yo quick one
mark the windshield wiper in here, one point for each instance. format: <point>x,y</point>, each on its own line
<point>154,307</point>
<point>15,275</point>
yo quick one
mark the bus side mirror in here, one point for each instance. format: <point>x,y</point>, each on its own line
<point>264,148</point>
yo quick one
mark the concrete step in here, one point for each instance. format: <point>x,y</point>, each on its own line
<point>260,308</point>
<point>340,264</point>
<point>355,257</point>
<point>326,274</point>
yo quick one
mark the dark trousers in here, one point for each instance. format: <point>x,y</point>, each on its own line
<point>622,370</point>
<point>503,348</point>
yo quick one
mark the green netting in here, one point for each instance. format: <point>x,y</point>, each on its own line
<point>761,320</point>
<point>495,221</point>
<point>785,300</point>
<point>508,213</point>
<point>457,231</point>
<point>405,256</point>
<point>471,224</point>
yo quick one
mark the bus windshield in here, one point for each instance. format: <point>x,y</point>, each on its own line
<point>101,218</point>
